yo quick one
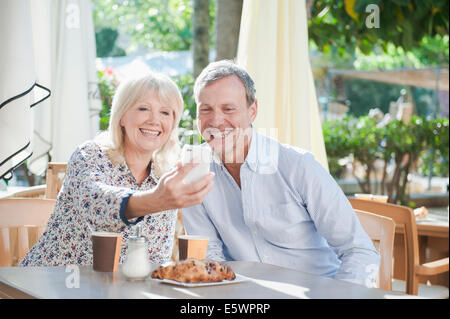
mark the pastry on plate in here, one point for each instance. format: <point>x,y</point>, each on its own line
<point>195,271</point>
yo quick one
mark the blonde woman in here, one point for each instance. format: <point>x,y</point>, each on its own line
<point>126,175</point>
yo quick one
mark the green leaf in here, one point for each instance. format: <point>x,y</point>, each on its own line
<point>407,38</point>
<point>439,3</point>
<point>361,5</point>
<point>401,2</point>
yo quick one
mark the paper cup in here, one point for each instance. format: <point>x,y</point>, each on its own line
<point>106,251</point>
<point>192,247</point>
<point>201,155</point>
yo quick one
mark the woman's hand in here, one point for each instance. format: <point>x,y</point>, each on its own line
<point>174,193</point>
<point>170,193</point>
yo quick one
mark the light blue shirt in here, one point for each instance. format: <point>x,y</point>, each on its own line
<point>289,212</point>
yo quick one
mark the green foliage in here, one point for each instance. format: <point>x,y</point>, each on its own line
<point>162,25</point>
<point>365,139</point>
<point>107,84</point>
<point>410,27</point>
<point>337,139</point>
<point>403,23</point>
<point>400,138</point>
<point>431,51</point>
<point>187,131</point>
<point>398,144</point>
<point>187,128</point>
<point>364,95</point>
<point>186,85</point>
<point>437,139</point>
<point>105,40</point>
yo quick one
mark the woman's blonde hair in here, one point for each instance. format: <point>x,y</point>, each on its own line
<point>128,94</point>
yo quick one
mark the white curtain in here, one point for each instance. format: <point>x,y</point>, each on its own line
<point>67,54</point>
<point>51,42</point>
<point>18,85</point>
<point>273,47</point>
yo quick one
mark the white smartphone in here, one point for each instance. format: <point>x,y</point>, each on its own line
<point>198,154</point>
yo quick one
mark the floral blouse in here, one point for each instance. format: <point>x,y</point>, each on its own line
<point>94,194</point>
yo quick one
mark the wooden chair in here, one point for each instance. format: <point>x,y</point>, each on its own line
<point>16,237</point>
<point>404,218</point>
<point>54,178</point>
<point>30,192</point>
<point>22,221</point>
<point>381,231</point>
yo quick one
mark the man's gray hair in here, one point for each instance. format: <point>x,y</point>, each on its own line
<point>220,69</point>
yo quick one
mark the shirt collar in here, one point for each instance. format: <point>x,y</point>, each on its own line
<point>124,170</point>
<point>262,154</point>
<point>252,155</point>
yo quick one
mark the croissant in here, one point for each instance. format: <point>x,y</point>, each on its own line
<point>195,271</point>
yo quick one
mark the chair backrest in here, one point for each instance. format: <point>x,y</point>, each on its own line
<point>54,179</point>
<point>381,231</point>
<point>22,221</point>
<point>403,218</point>
<point>30,192</point>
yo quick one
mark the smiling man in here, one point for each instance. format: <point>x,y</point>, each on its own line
<point>271,203</point>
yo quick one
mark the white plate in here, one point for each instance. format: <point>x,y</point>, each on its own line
<point>238,279</point>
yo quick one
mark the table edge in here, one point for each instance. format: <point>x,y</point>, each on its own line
<point>11,291</point>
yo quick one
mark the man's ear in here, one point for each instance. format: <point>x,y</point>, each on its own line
<point>253,110</point>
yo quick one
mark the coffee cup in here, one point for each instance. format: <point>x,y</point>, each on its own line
<point>191,246</point>
<point>106,248</point>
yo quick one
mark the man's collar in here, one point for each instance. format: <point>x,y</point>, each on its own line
<point>262,154</point>
<point>252,155</point>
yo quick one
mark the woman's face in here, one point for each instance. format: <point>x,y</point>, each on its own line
<point>147,124</point>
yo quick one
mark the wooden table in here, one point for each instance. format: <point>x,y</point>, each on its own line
<point>433,245</point>
<point>265,282</point>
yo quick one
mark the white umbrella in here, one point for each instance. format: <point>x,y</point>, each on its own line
<point>18,84</point>
<point>66,50</point>
<point>273,47</point>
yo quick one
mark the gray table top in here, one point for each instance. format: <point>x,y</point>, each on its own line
<point>265,282</point>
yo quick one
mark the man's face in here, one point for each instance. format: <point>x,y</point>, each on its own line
<point>224,118</point>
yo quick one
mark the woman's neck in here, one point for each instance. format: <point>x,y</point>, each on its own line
<point>138,164</point>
